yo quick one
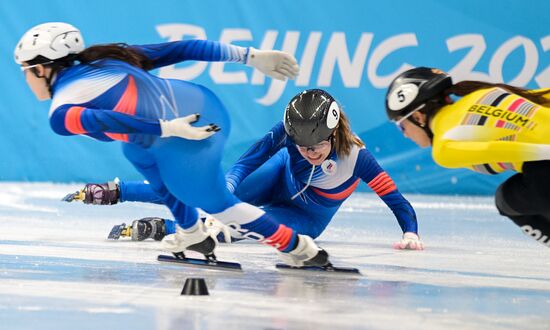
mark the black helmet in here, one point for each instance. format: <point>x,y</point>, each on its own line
<point>311,117</point>
<point>413,88</point>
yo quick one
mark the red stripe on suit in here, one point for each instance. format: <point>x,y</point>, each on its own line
<point>281,238</point>
<point>73,123</point>
<point>382,184</point>
<point>338,196</point>
<point>127,104</point>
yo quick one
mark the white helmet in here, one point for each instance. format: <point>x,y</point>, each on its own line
<point>51,40</point>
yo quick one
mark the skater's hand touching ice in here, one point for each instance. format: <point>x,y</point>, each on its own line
<point>410,241</point>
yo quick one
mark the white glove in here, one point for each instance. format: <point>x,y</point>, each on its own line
<point>410,241</point>
<point>181,127</point>
<point>274,63</point>
<point>214,227</point>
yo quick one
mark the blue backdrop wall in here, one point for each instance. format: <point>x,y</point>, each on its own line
<point>351,48</point>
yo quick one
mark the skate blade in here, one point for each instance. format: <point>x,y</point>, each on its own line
<point>76,196</point>
<point>202,263</point>
<point>327,270</point>
<point>118,231</point>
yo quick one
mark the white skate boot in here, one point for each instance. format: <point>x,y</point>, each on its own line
<point>196,238</point>
<point>306,253</point>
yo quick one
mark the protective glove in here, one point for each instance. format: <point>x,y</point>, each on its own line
<point>410,241</point>
<point>274,63</point>
<point>181,127</point>
<point>214,227</point>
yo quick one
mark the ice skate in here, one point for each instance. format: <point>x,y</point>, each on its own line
<point>140,230</point>
<point>217,229</point>
<point>197,239</point>
<point>96,193</point>
<point>306,253</point>
<point>307,256</point>
<point>148,228</point>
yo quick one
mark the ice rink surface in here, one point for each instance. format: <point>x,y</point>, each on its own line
<point>478,271</point>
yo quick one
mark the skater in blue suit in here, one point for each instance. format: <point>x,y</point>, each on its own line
<point>107,93</point>
<point>300,172</point>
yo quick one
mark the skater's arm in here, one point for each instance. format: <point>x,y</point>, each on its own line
<point>459,154</point>
<point>256,155</point>
<point>138,191</point>
<point>368,169</point>
<point>276,64</point>
<point>169,53</point>
<point>73,120</point>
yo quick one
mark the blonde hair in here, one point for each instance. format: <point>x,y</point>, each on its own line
<point>344,137</point>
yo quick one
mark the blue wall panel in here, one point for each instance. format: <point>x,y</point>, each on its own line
<point>351,48</point>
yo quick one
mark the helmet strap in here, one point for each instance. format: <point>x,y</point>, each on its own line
<point>429,109</point>
<point>46,78</point>
<point>49,83</point>
<point>332,146</point>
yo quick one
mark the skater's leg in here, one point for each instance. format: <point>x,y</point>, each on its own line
<point>524,199</point>
<point>208,192</point>
<point>262,186</point>
<point>191,233</point>
<point>137,191</point>
<point>304,223</point>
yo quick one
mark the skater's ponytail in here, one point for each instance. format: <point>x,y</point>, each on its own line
<point>469,86</point>
<point>118,51</point>
<point>344,137</point>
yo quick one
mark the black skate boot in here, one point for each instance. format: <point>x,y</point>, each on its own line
<point>96,193</point>
<point>320,260</point>
<point>145,228</point>
<point>205,247</point>
<point>196,239</point>
<point>140,230</point>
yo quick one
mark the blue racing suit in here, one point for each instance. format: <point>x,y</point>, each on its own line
<point>272,174</point>
<point>112,100</point>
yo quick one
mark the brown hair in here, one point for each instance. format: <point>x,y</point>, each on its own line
<point>344,137</point>
<point>466,87</point>
<point>118,51</point>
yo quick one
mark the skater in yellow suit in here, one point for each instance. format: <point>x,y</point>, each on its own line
<point>489,129</point>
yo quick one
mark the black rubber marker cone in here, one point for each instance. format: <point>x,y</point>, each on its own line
<point>195,287</point>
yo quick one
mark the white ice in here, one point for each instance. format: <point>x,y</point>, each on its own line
<point>479,271</point>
